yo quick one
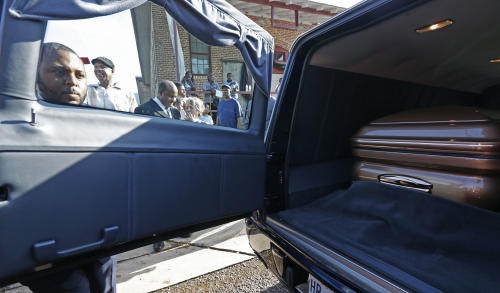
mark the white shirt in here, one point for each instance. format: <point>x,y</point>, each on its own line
<point>207,119</point>
<point>114,98</point>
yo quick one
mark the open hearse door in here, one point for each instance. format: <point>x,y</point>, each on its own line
<point>78,182</point>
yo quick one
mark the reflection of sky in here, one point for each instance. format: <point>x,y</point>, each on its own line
<point>110,36</point>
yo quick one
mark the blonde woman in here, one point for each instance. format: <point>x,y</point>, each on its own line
<point>194,108</point>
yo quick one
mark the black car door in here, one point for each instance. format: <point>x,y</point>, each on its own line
<point>75,180</point>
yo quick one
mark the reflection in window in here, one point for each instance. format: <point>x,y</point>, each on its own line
<point>200,64</point>
<point>110,64</point>
<point>200,57</point>
<point>117,80</point>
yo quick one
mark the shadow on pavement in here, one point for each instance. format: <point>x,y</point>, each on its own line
<point>144,264</point>
<point>278,288</point>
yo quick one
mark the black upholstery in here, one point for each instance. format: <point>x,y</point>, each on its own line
<point>451,246</point>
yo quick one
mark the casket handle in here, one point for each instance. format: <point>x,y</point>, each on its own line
<point>406,181</point>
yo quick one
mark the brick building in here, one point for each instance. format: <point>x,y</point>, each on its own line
<point>160,59</point>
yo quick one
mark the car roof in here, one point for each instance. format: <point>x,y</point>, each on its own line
<point>455,57</point>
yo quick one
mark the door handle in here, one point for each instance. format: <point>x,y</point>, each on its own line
<point>46,251</point>
<point>406,181</point>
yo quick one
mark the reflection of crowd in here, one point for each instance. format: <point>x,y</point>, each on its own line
<point>163,104</point>
<point>108,94</point>
<point>170,102</point>
<point>217,104</point>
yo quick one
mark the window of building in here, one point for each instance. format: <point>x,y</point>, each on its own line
<point>200,56</point>
<point>280,54</point>
<point>280,58</point>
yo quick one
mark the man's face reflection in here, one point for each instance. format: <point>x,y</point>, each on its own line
<point>62,78</point>
<point>103,73</point>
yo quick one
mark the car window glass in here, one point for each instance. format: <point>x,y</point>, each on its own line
<point>106,42</point>
<point>143,62</point>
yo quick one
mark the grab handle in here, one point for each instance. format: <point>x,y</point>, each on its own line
<point>46,251</point>
<point>406,181</point>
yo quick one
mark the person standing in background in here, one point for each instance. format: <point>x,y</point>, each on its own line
<point>233,85</point>
<point>163,104</point>
<point>188,82</point>
<point>211,101</point>
<point>229,112</point>
<point>181,99</point>
<point>107,93</point>
<point>211,86</point>
<point>181,91</point>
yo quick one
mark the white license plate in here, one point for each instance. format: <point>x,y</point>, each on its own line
<point>316,286</point>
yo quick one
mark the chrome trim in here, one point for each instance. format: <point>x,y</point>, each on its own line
<point>406,182</point>
<point>475,148</point>
<point>346,268</point>
<point>428,122</point>
<point>433,143</point>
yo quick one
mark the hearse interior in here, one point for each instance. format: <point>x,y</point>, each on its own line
<point>385,151</point>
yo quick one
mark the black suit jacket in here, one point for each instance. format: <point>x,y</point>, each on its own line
<point>151,108</point>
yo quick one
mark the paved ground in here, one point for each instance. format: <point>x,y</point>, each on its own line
<point>143,270</point>
<point>249,277</point>
<point>186,258</point>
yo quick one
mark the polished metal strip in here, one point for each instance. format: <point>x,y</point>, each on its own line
<point>345,267</point>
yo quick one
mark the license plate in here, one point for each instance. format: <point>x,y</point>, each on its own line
<point>316,286</point>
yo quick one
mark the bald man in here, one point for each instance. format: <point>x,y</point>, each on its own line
<point>61,75</point>
<point>163,104</point>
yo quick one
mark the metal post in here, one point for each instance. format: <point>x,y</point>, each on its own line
<point>272,15</point>
<point>296,19</point>
<point>176,52</point>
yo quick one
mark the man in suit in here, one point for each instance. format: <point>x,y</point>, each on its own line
<point>161,105</point>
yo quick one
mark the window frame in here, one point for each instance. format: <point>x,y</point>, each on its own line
<point>280,50</point>
<point>191,53</point>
